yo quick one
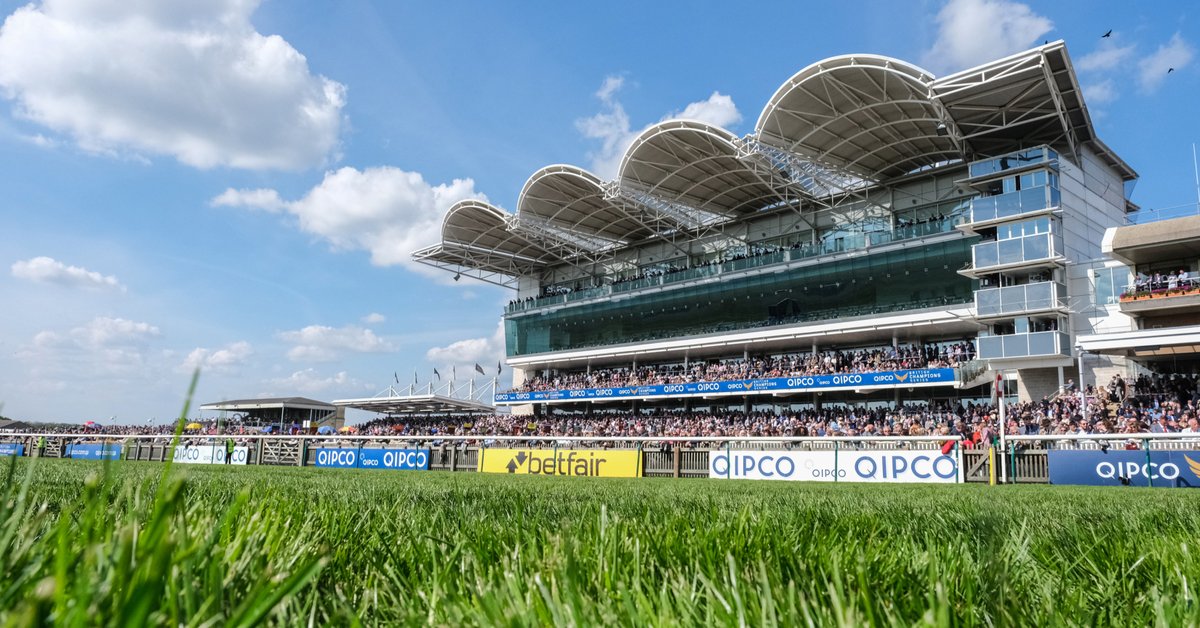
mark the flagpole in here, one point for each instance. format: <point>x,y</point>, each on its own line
<point>1196,170</point>
<point>1003,427</point>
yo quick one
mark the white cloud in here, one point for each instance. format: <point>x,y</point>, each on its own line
<point>319,343</point>
<point>971,32</point>
<point>385,211</point>
<point>223,359</point>
<point>309,381</point>
<point>103,348</point>
<point>1152,69</point>
<point>1107,56</point>
<point>264,199</point>
<point>612,127</point>
<point>101,332</point>
<point>1100,93</point>
<point>49,270</point>
<point>374,318</point>
<point>465,354</point>
<point>185,78</point>
<point>718,110</point>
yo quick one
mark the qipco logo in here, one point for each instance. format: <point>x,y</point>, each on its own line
<point>896,467</point>
<point>405,459</point>
<point>335,458</point>
<point>1131,470</point>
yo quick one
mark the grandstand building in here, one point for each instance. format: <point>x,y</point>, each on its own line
<point>874,208</point>
<point>1151,279</point>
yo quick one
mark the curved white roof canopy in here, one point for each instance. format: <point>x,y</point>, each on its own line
<point>841,124</point>
<point>864,114</point>
<point>569,203</point>
<point>478,235</point>
<point>696,165</point>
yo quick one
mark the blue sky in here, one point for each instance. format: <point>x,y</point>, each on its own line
<point>238,185</point>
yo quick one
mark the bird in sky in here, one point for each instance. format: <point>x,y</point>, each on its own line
<point>1170,70</point>
<point>1108,34</point>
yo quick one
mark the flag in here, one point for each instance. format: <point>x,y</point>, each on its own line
<point>396,377</point>
<point>453,372</point>
<point>414,376</point>
<point>498,369</point>
<point>479,369</point>
<point>437,375</point>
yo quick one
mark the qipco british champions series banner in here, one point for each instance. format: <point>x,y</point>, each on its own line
<point>841,381</point>
<point>1120,467</point>
<point>827,466</point>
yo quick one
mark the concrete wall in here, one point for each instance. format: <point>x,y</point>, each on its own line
<point>1034,384</point>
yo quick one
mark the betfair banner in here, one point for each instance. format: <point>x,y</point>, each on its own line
<point>620,463</point>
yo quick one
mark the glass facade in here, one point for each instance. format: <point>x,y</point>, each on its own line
<point>1110,283</point>
<point>831,243</point>
<point>910,278</point>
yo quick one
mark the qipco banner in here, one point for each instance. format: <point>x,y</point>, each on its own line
<point>347,458</point>
<point>94,451</point>
<point>12,449</point>
<point>210,454</point>
<point>827,466</point>
<point>1120,467</point>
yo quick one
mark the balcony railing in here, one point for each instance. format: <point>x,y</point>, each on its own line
<point>1023,250</point>
<point>1147,216</point>
<point>1031,297</point>
<point>1019,159</point>
<point>1012,204</point>
<point>1036,344</point>
<point>849,242</point>
<point>1175,285</point>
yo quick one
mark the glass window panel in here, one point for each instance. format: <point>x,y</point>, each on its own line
<point>1038,296</point>
<point>991,347</point>
<point>987,302</point>
<point>1009,251</point>
<point>1042,343</point>
<point>1015,345</point>
<point>1037,247</point>
<point>985,255</point>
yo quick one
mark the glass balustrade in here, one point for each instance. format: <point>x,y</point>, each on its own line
<point>1011,204</point>
<point>1027,249</point>
<point>1019,159</point>
<point>1031,297</point>
<point>1041,343</point>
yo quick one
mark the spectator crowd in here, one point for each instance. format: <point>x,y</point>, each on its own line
<point>1150,404</point>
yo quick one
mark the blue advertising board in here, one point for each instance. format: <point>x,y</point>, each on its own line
<point>12,449</point>
<point>1121,467</point>
<point>94,451</point>
<point>367,458</point>
<point>840,381</point>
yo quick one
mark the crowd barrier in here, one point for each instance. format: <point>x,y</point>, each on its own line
<point>1160,460</point>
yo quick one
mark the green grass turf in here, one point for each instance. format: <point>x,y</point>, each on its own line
<point>85,543</point>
